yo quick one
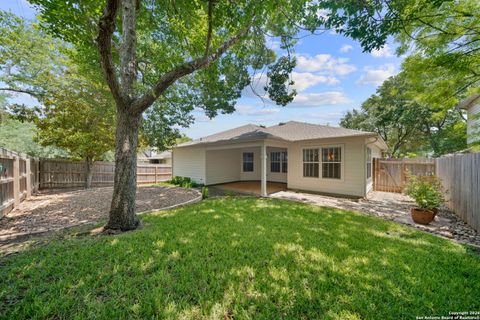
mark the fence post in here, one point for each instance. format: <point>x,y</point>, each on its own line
<point>16,181</point>
<point>155,174</point>
<point>28,172</point>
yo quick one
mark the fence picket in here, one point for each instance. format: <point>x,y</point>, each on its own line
<point>391,174</point>
<point>460,176</point>
<point>57,173</point>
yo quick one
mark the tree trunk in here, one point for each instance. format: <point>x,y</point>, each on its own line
<point>122,211</point>
<point>88,172</point>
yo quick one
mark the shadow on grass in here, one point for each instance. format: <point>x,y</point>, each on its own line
<point>245,258</point>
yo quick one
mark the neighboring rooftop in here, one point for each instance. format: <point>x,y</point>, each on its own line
<point>289,131</point>
<point>152,154</point>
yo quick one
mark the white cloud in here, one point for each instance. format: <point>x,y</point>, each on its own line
<point>305,80</point>
<point>376,76</point>
<point>203,118</point>
<point>327,98</point>
<point>346,48</point>
<point>324,63</point>
<point>248,110</point>
<point>322,116</point>
<point>384,52</point>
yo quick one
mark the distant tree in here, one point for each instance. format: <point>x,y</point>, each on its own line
<point>389,113</point>
<point>20,136</point>
<point>406,125</point>
<point>75,110</point>
<point>182,139</point>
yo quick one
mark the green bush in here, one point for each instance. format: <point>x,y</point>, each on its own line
<point>426,191</point>
<point>204,192</point>
<point>184,182</point>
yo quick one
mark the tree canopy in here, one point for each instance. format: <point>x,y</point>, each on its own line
<point>408,125</point>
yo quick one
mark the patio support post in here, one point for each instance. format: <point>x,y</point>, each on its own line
<point>263,157</point>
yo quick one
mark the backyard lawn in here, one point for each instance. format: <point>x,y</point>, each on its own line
<point>244,258</point>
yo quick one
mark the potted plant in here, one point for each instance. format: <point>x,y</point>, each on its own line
<point>428,195</point>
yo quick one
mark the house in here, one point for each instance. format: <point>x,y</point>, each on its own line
<point>152,156</point>
<point>307,157</point>
<point>472,106</point>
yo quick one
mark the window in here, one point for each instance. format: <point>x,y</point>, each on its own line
<point>310,163</point>
<point>278,161</point>
<point>369,163</point>
<point>332,163</point>
<point>275,162</point>
<point>248,162</point>
<point>284,161</point>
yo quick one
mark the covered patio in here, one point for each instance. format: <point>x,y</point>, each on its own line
<point>250,187</point>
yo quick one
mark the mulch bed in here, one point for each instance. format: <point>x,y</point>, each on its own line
<point>49,211</point>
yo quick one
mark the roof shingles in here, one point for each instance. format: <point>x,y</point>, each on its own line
<point>289,131</point>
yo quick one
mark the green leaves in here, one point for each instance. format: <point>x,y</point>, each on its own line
<point>426,191</point>
<point>75,111</point>
<point>279,75</point>
<point>406,122</point>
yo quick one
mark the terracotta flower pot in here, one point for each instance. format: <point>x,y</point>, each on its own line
<point>423,216</point>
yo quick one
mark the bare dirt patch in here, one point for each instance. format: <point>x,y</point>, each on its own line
<point>55,210</point>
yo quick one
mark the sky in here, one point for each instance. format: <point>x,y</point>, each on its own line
<point>332,76</point>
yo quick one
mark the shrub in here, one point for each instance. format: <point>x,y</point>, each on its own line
<point>184,182</point>
<point>426,191</point>
<point>204,192</point>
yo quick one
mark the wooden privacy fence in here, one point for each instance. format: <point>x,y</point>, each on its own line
<point>18,179</point>
<point>391,174</point>
<point>56,173</point>
<point>460,176</point>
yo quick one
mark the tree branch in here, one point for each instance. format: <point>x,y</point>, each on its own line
<point>209,33</point>
<point>106,28</point>
<point>128,65</point>
<point>29,92</point>
<point>142,103</point>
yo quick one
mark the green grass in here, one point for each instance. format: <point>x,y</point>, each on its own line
<point>244,258</point>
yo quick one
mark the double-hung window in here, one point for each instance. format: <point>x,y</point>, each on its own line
<point>278,161</point>
<point>369,163</point>
<point>275,161</point>
<point>332,162</point>
<point>247,162</point>
<point>310,163</point>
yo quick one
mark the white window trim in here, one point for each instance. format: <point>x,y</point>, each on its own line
<point>319,147</point>
<point>282,161</point>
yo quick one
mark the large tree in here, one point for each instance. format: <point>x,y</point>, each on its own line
<point>390,113</point>
<point>75,111</point>
<point>406,123</point>
<point>190,53</point>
